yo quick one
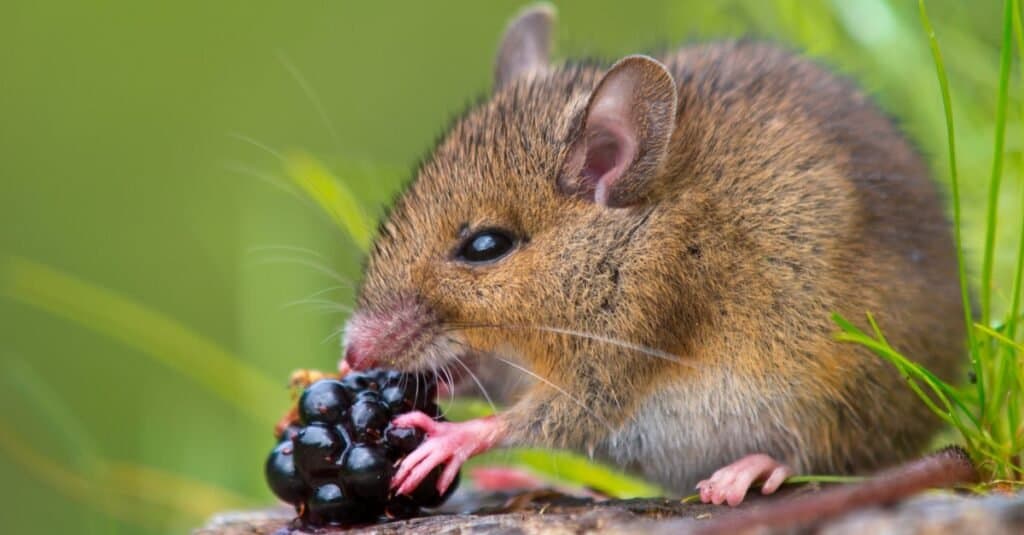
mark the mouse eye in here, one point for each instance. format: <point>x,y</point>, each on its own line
<point>485,246</point>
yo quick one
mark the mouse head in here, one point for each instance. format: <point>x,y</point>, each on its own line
<point>529,219</point>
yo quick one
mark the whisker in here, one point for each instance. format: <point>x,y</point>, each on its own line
<point>268,178</point>
<point>452,384</point>
<point>286,248</point>
<point>339,332</point>
<point>449,380</point>
<point>257,144</point>
<point>325,304</point>
<point>326,290</point>
<point>433,370</point>
<point>337,277</point>
<point>336,332</point>
<point>328,308</point>
<point>561,390</point>
<point>310,94</point>
<point>649,351</point>
<point>479,385</point>
<point>315,261</point>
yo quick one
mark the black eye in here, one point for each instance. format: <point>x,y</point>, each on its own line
<point>485,246</point>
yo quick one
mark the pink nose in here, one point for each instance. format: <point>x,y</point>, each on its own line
<point>388,333</point>
<point>362,334</point>
<point>357,360</point>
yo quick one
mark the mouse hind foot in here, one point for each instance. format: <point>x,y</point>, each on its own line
<point>730,483</point>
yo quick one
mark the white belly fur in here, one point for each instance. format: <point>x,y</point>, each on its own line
<point>681,436</point>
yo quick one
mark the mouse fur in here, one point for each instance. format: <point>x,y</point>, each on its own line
<point>765,193</point>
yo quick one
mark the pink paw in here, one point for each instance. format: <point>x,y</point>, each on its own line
<point>731,483</point>
<point>447,443</point>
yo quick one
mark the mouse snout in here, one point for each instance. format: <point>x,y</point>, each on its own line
<point>391,335</point>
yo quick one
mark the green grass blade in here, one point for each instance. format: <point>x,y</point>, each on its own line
<point>183,494</point>
<point>845,325</point>
<point>330,194</point>
<point>909,373</point>
<point>462,409</point>
<point>151,333</point>
<point>910,370</point>
<point>69,483</point>
<point>1006,340</point>
<point>556,466</point>
<point>999,362</point>
<point>877,329</point>
<point>113,480</point>
<point>1013,317</point>
<point>947,107</point>
<point>569,468</point>
<point>1005,380</point>
<point>77,444</point>
<point>995,181</point>
<point>132,493</point>
<point>45,405</point>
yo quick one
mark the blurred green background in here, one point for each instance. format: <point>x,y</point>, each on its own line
<point>151,252</point>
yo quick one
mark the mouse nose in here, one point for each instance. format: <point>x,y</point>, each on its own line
<point>390,333</point>
<point>357,356</point>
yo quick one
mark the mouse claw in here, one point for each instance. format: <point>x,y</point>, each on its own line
<point>731,483</point>
<point>447,443</point>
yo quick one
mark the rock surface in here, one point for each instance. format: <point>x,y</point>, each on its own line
<point>553,513</point>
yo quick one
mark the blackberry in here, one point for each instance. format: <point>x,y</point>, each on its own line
<point>402,440</point>
<point>369,418</point>
<point>357,382</point>
<point>417,389</point>
<point>390,377</point>
<point>316,449</point>
<point>288,433</point>
<point>323,401</point>
<point>367,472</point>
<point>284,482</point>
<point>335,464</point>
<point>371,396</point>
<point>395,398</point>
<point>330,505</point>
<point>401,507</point>
<point>426,494</point>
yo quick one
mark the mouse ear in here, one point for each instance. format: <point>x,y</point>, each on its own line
<point>621,143</point>
<point>525,45</point>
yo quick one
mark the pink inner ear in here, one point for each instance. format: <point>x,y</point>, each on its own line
<point>602,152</point>
<point>610,151</point>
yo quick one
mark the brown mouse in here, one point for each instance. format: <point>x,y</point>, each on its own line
<point>660,244</point>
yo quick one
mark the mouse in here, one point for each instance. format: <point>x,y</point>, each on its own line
<point>658,244</point>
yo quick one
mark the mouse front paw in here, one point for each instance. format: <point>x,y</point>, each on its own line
<point>447,443</point>
<point>731,483</point>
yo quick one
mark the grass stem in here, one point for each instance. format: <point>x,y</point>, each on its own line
<point>947,107</point>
